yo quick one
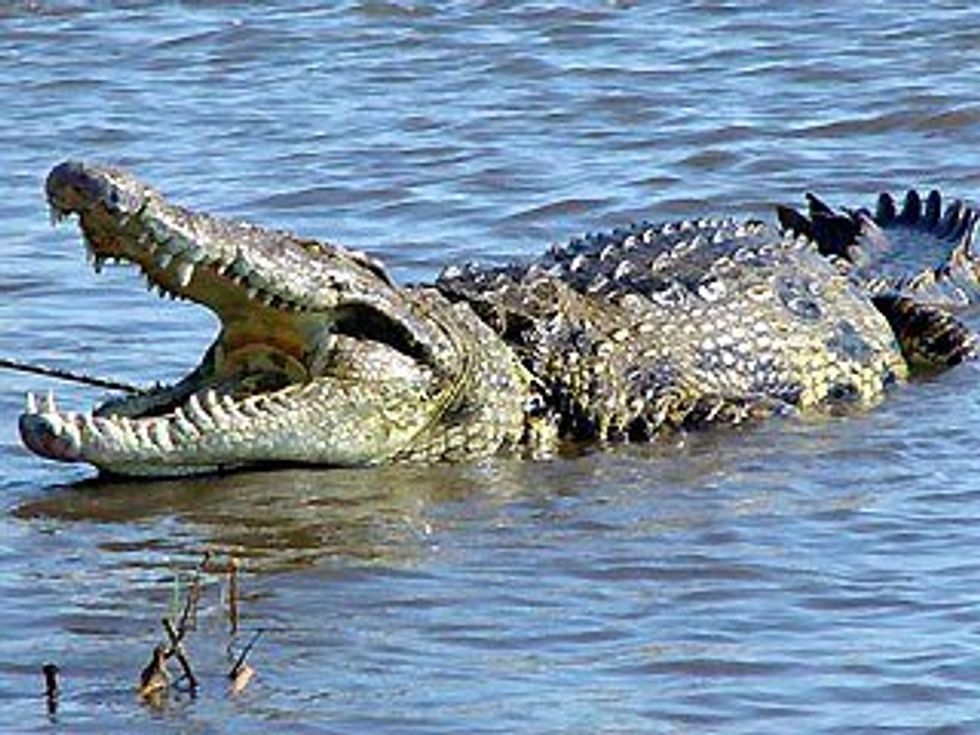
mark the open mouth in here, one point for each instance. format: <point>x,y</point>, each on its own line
<point>284,326</point>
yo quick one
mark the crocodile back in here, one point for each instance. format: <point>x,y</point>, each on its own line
<point>659,327</point>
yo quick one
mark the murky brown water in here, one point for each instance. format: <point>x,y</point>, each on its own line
<point>815,576</point>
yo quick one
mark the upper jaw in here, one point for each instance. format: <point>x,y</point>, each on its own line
<point>123,218</point>
<point>232,267</point>
<point>181,253</point>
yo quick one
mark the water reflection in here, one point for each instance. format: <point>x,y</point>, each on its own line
<point>279,519</point>
<point>288,518</point>
<point>283,519</point>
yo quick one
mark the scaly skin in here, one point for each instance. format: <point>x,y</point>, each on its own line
<point>322,359</point>
<point>923,250</point>
<point>919,265</point>
<point>685,324</point>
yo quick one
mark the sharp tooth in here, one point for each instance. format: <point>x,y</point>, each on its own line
<point>164,259</point>
<point>31,407</point>
<point>110,428</point>
<point>54,420</point>
<point>49,404</point>
<point>185,272</point>
<point>197,414</point>
<point>70,430</point>
<point>126,427</point>
<point>184,426</point>
<point>160,431</point>
<point>143,433</point>
<point>232,409</point>
<point>217,412</point>
<point>257,407</point>
<point>251,409</point>
<point>91,426</point>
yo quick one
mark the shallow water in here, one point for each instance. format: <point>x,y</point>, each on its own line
<point>804,576</point>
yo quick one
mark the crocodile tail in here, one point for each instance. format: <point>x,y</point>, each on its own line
<point>919,247</point>
<point>930,338</point>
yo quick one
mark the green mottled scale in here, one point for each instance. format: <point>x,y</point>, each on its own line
<point>683,324</point>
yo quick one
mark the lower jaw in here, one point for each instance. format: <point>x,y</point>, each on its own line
<point>38,436</point>
<point>67,437</point>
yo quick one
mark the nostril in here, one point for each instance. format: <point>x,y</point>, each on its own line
<point>73,185</point>
<point>61,176</point>
<point>68,177</point>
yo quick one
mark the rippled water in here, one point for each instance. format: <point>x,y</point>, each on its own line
<point>811,576</point>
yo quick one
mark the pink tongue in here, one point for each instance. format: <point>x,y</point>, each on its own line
<point>38,434</point>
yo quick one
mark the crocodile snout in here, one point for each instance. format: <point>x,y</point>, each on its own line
<point>74,186</point>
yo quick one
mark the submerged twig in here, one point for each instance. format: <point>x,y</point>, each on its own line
<point>177,649</point>
<point>155,680</point>
<point>51,686</point>
<point>233,594</point>
<point>189,613</point>
<point>240,661</point>
<point>154,676</point>
<point>241,673</point>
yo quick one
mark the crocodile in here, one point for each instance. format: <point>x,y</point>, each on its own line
<point>631,335</point>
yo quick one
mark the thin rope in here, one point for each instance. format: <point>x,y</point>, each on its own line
<point>51,372</point>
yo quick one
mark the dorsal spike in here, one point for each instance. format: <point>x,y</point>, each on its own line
<point>792,221</point>
<point>885,213</point>
<point>623,270</point>
<point>951,219</point>
<point>934,209</point>
<point>912,208</point>
<point>817,205</point>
